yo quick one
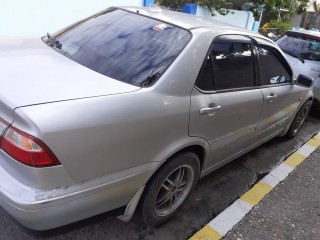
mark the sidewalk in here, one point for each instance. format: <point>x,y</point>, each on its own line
<point>290,211</point>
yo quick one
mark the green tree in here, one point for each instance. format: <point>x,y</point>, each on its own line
<point>215,6</point>
<point>281,27</point>
<point>272,8</point>
<point>173,4</point>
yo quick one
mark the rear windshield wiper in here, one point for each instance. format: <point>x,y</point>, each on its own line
<point>293,54</point>
<point>53,42</point>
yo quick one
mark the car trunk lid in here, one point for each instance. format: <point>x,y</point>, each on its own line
<point>33,73</point>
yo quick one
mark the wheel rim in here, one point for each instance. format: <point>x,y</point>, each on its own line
<point>174,190</point>
<point>300,120</point>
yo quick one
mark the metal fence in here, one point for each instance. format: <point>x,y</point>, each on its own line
<point>266,31</point>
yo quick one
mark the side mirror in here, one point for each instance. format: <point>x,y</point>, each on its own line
<point>304,81</point>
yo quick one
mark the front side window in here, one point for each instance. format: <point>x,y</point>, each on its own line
<point>271,66</point>
<point>123,45</point>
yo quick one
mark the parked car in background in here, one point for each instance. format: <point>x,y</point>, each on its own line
<point>272,36</point>
<point>302,48</point>
<point>132,106</point>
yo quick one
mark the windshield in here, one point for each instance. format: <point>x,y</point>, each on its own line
<point>123,45</point>
<point>304,45</point>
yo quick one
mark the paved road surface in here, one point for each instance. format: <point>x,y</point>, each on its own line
<point>291,211</point>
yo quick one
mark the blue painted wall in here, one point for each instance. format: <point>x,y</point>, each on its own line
<point>255,27</point>
<point>190,8</point>
<point>147,3</point>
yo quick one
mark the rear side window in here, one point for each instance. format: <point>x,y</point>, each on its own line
<point>272,66</point>
<point>205,79</point>
<point>229,65</point>
<point>123,45</point>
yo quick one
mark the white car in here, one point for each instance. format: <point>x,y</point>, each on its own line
<point>302,48</point>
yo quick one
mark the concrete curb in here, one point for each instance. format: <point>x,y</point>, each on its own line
<point>231,216</point>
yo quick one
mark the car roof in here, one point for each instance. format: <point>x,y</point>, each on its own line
<point>184,20</point>
<point>192,22</point>
<point>308,32</point>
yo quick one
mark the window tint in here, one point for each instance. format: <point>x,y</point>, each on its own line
<point>233,65</point>
<point>272,70</point>
<point>205,80</point>
<point>125,46</point>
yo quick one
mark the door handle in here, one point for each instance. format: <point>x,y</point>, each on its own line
<point>211,110</point>
<point>271,97</point>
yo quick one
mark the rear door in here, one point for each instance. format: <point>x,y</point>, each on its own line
<point>226,104</point>
<point>280,96</point>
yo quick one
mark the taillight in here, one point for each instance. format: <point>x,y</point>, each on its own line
<point>27,149</point>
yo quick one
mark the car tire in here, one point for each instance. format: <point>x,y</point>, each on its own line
<point>169,189</point>
<point>299,119</point>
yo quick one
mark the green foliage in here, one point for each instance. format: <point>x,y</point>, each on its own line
<point>272,7</point>
<point>302,7</point>
<point>173,4</point>
<point>223,6</point>
<point>215,6</point>
<point>282,27</point>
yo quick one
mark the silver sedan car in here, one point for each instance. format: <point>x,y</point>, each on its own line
<point>129,108</point>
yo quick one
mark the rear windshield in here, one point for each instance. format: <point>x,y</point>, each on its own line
<point>123,45</point>
<point>305,45</point>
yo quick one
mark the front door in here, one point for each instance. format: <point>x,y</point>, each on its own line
<point>281,97</point>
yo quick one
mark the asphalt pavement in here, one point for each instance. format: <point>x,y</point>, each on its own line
<point>290,211</point>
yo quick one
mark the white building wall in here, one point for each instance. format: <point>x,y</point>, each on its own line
<point>296,20</point>
<point>37,17</point>
<point>243,19</point>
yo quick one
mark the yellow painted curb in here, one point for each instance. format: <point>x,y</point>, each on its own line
<point>317,138</point>
<point>256,193</point>
<point>206,233</point>
<point>313,143</point>
<point>295,159</point>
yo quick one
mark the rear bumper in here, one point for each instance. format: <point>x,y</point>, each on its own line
<point>47,209</point>
<point>64,213</point>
